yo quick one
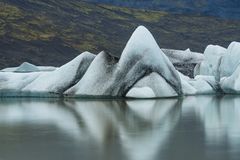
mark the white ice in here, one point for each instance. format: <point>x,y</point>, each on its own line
<point>62,78</point>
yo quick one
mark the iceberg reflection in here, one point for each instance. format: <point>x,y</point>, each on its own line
<point>203,127</point>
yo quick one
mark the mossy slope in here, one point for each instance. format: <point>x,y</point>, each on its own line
<point>51,32</point>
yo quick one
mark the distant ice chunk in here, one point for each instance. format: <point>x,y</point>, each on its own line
<point>28,67</point>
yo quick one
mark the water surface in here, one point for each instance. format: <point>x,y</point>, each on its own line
<point>192,128</point>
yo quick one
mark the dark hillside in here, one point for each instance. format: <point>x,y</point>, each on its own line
<point>51,32</point>
<point>227,9</point>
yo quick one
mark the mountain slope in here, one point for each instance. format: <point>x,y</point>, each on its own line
<point>51,32</point>
<point>229,9</point>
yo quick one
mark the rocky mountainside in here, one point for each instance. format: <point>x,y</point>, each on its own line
<point>229,9</point>
<point>52,32</point>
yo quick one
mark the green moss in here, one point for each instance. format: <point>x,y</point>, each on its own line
<point>24,31</point>
<point>89,36</point>
<point>140,14</point>
<point>116,8</point>
<point>2,27</point>
<point>82,8</point>
<point>9,12</point>
<point>149,16</point>
<point>85,46</point>
<point>2,32</point>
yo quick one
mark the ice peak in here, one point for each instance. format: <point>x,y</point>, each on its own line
<point>141,40</point>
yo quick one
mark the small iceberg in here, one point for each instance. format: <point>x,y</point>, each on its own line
<point>26,67</point>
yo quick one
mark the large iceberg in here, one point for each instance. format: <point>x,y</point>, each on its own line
<point>142,71</point>
<point>142,56</point>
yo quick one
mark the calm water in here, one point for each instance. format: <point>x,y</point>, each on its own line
<point>193,128</point>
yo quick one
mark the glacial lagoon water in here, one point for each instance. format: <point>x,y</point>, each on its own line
<point>190,128</point>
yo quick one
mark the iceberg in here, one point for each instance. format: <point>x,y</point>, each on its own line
<point>143,70</point>
<point>27,67</point>
<point>110,77</point>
